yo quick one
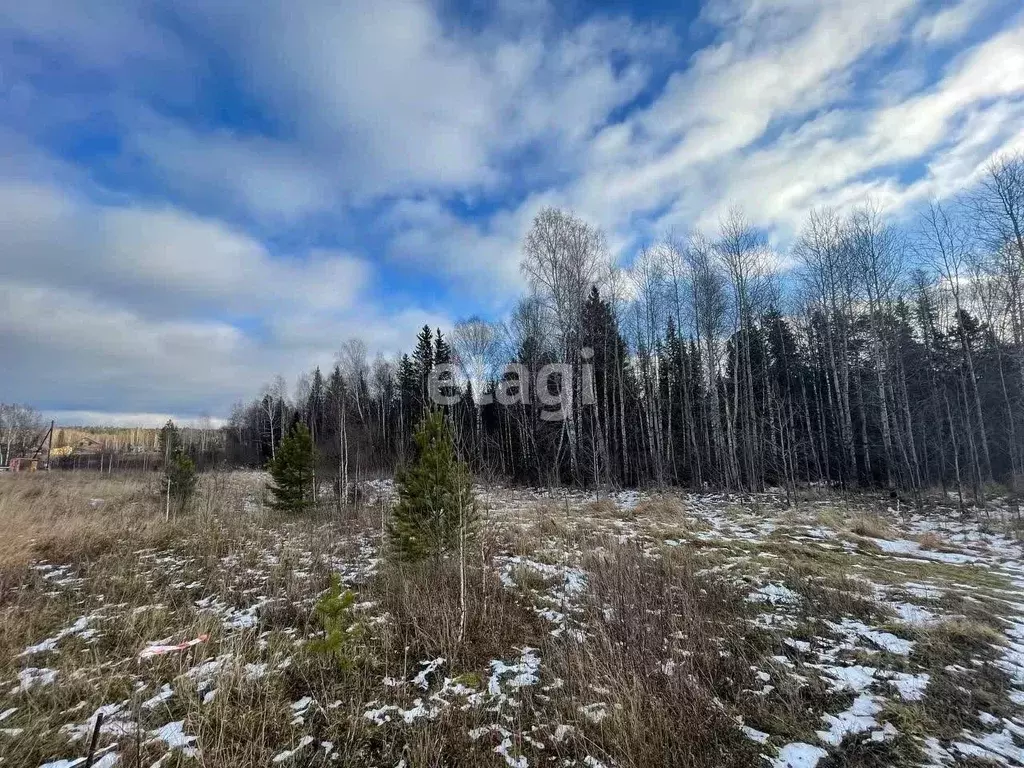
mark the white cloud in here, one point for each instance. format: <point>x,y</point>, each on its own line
<point>362,99</point>
<point>951,22</point>
<point>703,145</point>
<point>485,256</point>
<point>771,62</point>
<point>143,420</point>
<point>158,311</point>
<point>102,35</point>
<point>386,98</point>
<point>266,178</point>
<point>163,260</point>
<point>73,350</point>
<point>167,293</point>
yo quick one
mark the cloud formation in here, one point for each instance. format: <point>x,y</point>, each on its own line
<point>199,195</point>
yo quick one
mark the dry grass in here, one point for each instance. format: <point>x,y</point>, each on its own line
<point>668,645</point>
<point>930,540</point>
<point>604,508</point>
<point>141,580</point>
<point>651,661</point>
<point>662,508</point>
<point>957,641</point>
<point>831,517</point>
<point>79,513</point>
<point>872,526</point>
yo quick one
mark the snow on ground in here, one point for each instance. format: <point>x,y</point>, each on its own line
<point>839,656</point>
<point>865,663</point>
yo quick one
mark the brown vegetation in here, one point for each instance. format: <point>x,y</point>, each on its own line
<point>626,649</point>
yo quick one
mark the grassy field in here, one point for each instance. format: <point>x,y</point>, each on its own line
<point>634,630</point>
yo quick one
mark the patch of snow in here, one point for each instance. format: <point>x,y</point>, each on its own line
<point>116,723</point>
<point>775,594</point>
<point>288,754</point>
<point>992,746</point>
<point>754,735</point>
<point>163,695</point>
<point>798,755</point>
<point>595,712</point>
<point>256,671</point>
<point>913,614</point>
<point>923,591</point>
<point>428,668</point>
<point>913,549</point>
<point>524,672</point>
<point>860,717</point>
<point>885,641</point>
<point>418,711</point>
<point>80,627</point>
<point>174,736</point>
<point>855,678</point>
<point>505,750</point>
<point>911,687</point>
<point>33,677</point>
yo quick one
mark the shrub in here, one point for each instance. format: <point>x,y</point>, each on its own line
<point>342,631</point>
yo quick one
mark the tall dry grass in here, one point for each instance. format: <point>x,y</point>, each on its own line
<point>58,514</point>
<point>659,658</point>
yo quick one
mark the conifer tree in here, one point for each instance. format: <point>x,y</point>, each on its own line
<point>435,496</point>
<point>443,356</point>
<point>442,349</point>
<point>423,360</point>
<point>180,477</point>
<point>169,438</point>
<point>292,471</point>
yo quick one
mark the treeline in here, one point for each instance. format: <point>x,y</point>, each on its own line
<point>21,428</point>
<point>867,355</point>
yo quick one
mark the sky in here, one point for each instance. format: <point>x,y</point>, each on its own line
<point>199,195</point>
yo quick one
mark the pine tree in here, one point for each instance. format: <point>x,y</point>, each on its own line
<point>292,471</point>
<point>443,356</point>
<point>180,477</point>
<point>442,350</point>
<point>423,360</point>
<point>436,505</point>
<point>168,440</point>
<point>316,406</point>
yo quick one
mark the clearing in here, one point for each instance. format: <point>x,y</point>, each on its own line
<point>635,630</point>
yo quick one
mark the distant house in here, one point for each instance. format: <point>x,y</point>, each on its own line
<point>87,445</point>
<point>24,464</point>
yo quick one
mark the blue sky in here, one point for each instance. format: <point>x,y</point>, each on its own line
<point>199,195</point>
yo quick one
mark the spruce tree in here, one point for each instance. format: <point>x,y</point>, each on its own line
<point>423,361</point>
<point>435,496</point>
<point>292,471</point>
<point>168,439</point>
<point>443,356</point>
<point>442,350</point>
<point>180,477</point>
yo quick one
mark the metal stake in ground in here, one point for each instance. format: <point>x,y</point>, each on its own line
<point>95,740</point>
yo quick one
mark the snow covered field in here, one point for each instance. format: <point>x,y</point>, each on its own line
<point>631,630</point>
